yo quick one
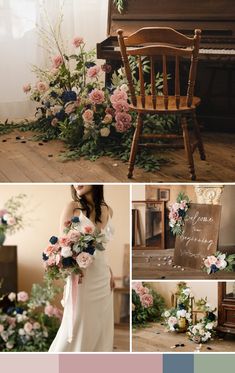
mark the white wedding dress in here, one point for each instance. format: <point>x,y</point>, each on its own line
<point>88,322</point>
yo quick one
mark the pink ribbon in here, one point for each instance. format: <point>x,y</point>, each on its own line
<point>70,302</point>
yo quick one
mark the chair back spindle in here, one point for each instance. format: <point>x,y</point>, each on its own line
<point>177,82</point>
<point>165,83</point>
<point>141,77</point>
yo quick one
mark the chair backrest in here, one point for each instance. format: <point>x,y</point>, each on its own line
<point>152,42</point>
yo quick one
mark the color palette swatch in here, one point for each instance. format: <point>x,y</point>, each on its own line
<point>117,363</point>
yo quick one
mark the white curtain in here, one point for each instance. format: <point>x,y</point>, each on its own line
<point>20,47</point>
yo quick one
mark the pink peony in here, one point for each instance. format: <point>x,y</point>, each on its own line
<point>57,61</point>
<point>121,105</point>
<point>93,71</point>
<point>26,88</point>
<point>77,41</point>
<point>123,122</point>
<point>49,310</point>
<point>97,96</point>
<point>42,86</point>
<point>22,296</point>
<point>84,260</point>
<point>88,116</point>
<point>28,327</point>
<point>146,300</point>
<point>210,260</point>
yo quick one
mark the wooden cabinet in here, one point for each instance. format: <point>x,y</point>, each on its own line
<point>148,224</point>
<point>8,269</point>
<point>226,307</point>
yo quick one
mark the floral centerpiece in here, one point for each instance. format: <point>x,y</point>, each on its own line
<point>178,213</point>
<point>219,262</point>
<point>147,304</point>
<point>74,251</point>
<point>28,323</point>
<point>177,319</point>
<point>203,330</point>
<point>11,219</point>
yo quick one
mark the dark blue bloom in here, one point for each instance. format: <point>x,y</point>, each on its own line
<point>47,104</point>
<point>61,115</point>
<point>69,96</point>
<point>4,221</point>
<point>19,310</point>
<point>75,219</point>
<point>53,240</point>
<point>54,94</point>
<point>68,262</point>
<point>181,306</point>
<point>181,213</point>
<point>10,310</point>
<point>211,316</point>
<point>214,268</point>
<point>89,64</point>
<point>90,249</point>
<point>44,256</point>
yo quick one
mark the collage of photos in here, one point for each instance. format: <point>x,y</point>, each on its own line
<point>117,177</point>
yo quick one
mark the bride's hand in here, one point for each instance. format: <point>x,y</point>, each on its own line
<point>112,282</point>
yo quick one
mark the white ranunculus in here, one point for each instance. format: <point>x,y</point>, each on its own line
<point>167,314</point>
<point>66,251</point>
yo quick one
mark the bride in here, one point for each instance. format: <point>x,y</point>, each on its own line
<point>87,324</point>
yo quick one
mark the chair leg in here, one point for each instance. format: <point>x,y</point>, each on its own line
<point>187,147</point>
<point>134,145</point>
<point>198,137</point>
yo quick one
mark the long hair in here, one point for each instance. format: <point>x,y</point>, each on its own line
<point>98,199</point>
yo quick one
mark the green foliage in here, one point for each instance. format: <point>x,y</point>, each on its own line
<point>119,4</point>
<point>15,207</point>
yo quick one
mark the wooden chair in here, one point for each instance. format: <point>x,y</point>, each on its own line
<point>166,44</point>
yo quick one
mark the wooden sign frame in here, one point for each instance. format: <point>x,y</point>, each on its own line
<point>199,238</point>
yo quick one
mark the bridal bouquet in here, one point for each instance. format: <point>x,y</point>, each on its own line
<point>74,251</point>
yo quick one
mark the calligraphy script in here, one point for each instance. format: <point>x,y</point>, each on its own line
<point>199,237</point>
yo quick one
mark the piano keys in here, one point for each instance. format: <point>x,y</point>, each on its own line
<point>216,67</point>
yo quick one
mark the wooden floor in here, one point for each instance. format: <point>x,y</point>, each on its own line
<point>157,339</point>
<point>28,161</point>
<point>121,339</point>
<point>154,264</point>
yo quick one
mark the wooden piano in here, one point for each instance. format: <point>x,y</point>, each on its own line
<point>216,68</point>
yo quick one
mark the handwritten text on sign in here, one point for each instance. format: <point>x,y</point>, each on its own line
<point>200,235</point>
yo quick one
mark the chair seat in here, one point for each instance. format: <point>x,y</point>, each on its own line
<point>160,108</point>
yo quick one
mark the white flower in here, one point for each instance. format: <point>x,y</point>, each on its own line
<point>181,313</point>
<point>66,251</point>
<point>167,314</point>
<point>186,292</point>
<point>188,316</point>
<point>124,87</point>
<point>104,132</point>
<point>21,331</point>
<point>9,345</point>
<point>12,296</point>
<point>210,326</point>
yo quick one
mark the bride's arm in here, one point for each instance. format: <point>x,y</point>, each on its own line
<point>66,215</point>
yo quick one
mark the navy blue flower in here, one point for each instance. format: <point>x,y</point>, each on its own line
<point>181,306</point>
<point>61,115</point>
<point>214,268</point>
<point>211,316</point>
<point>10,310</point>
<point>47,104</point>
<point>181,213</point>
<point>4,221</point>
<point>75,219</point>
<point>89,64</point>
<point>19,310</point>
<point>54,94</point>
<point>90,249</point>
<point>53,240</point>
<point>68,262</point>
<point>44,256</point>
<point>69,96</point>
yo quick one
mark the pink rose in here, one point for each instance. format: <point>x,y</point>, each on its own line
<point>88,116</point>
<point>97,96</point>
<point>173,215</point>
<point>57,61</point>
<point>74,235</point>
<point>26,88</point>
<point>64,240</point>
<point>51,261</point>
<point>51,249</point>
<point>175,206</point>
<point>49,310</point>
<point>84,260</point>
<point>146,300</point>
<point>210,260</point>
<point>88,230</point>
<point>121,105</point>
<point>93,71</point>
<point>118,95</point>
<point>11,220</point>
<point>54,122</point>
<point>123,122</point>
<point>77,41</point>
<point>42,86</point>
<point>22,296</point>
<point>57,313</point>
<point>28,327</point>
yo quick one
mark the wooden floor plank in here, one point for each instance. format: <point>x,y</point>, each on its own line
<point>29,161</point>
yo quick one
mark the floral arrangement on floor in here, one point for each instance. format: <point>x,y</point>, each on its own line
<point>74,251</point>
<point>147,304</point>
<point>203,330</point>
<point>178,213</point>
<point>177,319</point>
<point>219,262</point>
<point>75,106</point>
<point>11,216</point>
<point>28,323</point>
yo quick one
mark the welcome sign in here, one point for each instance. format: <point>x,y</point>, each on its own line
<point>199,237</point>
